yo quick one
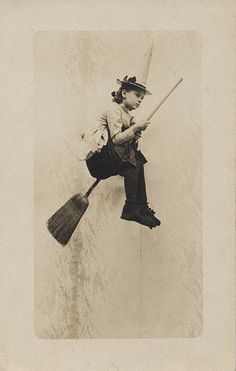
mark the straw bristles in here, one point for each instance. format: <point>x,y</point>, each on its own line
<point>63,223</point>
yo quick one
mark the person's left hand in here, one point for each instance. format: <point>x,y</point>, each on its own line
<point>137,135</point>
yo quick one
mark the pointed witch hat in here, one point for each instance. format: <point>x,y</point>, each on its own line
<point>141,80</point>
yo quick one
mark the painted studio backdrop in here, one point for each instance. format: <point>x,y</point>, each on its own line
<point>118,279</point>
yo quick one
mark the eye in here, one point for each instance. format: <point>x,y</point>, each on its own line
<point>139,95</point>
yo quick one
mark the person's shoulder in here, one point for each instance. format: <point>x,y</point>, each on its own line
<point>107,110</point>
<point>113,108</point>
<point>107,106</point>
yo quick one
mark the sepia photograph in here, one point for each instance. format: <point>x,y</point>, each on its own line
<point>117,185</point>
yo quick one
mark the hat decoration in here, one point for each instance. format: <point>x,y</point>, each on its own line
<point>132,81</point>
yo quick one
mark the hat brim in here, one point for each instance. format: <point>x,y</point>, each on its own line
<point>137,86</point>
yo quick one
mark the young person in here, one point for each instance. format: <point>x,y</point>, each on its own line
<point>125,133</point>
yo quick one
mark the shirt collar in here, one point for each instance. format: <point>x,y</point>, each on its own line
<point>124,108</point>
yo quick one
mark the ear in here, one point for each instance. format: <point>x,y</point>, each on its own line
<point>123,93</point>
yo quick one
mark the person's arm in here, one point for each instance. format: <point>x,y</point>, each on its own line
<point>115,124</point>
<point>138,133</point>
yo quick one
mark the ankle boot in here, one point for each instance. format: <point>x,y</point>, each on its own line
<point>146,210</point>
<point>132,212</point>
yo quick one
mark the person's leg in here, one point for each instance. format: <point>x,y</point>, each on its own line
<point>130,184</point>
<point>142,196</point>
<point>141,187</point>
<point>131,209</point>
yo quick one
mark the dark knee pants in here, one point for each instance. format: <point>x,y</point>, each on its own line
<point>134,182</point>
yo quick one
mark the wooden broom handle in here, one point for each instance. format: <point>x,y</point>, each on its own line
<point>92,188</point>
<point>163,100</point>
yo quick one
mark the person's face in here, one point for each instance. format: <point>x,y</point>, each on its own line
<point>133,98</point>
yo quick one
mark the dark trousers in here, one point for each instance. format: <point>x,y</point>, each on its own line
<point>134,182</point>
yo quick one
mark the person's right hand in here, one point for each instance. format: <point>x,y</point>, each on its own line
<point>142,124</point>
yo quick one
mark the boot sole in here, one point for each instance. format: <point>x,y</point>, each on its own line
<point>155,220</point>
<point>140,221</point>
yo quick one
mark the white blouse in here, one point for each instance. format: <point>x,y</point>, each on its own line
<point>119,120</point>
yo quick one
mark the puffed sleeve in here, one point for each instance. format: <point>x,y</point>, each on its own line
<point>114,121</point>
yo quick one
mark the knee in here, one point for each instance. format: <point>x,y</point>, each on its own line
<point>128,170</point>
<point>133,170</point>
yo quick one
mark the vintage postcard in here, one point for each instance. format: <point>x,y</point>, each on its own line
<point>118,155</point>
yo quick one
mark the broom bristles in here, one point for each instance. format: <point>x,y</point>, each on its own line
<point>63,223</point>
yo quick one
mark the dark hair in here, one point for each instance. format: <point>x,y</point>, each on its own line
<point>117,95</point>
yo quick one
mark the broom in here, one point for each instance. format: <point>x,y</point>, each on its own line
<point>63,223</point>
